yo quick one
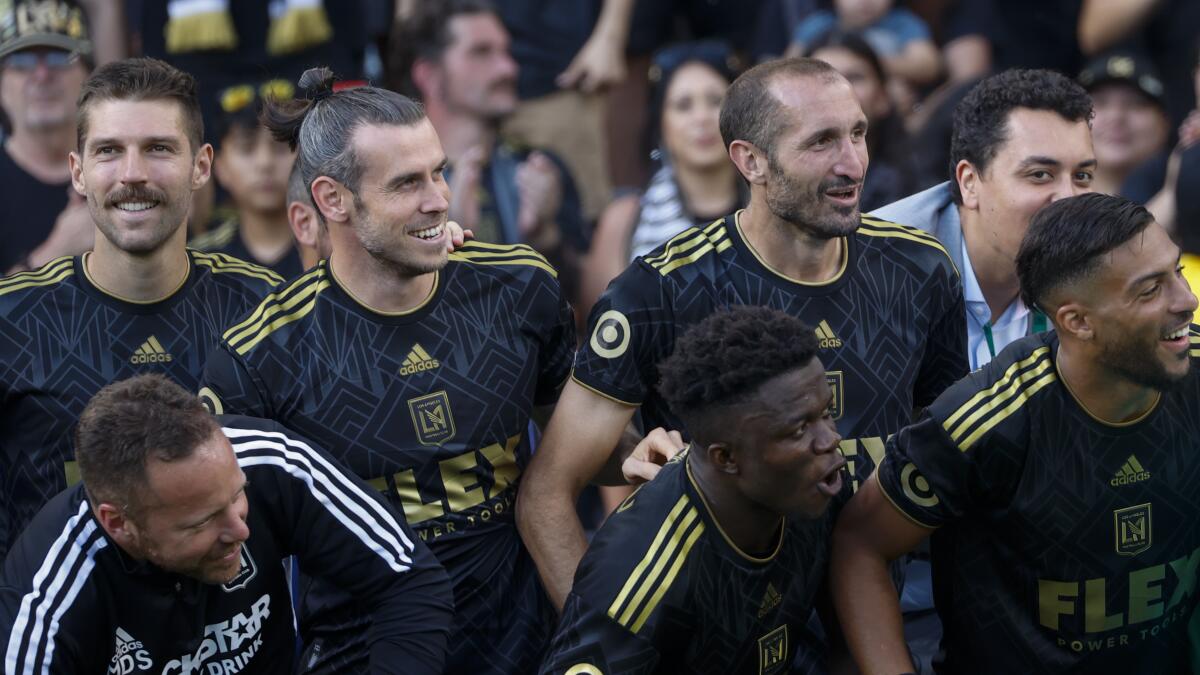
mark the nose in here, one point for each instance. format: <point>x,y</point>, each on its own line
<point>235,529</point>
<point>133,168</point>
<point>1184,300</point>
<point>436,198</point>
<point>826,439</point>
<point>852,159</point>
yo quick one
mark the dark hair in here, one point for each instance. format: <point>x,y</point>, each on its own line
<point>1067,238</point>
<point>323,125</point>
<point>981,118</point>
<point>724,359</point>
<point>854,43</point>
<point>130,422</point>
<point>425,35</point>
<point>751,112</point>
<point>667,63</point>
<point>141,79</point>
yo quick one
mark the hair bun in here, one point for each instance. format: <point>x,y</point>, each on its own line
<point>317,83</point>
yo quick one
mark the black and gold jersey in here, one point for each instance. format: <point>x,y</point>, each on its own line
<point>432,407</point>
<point>890,323</point>
<point>1065,544</point>
<point>62,339</point>
<point>662,588</point>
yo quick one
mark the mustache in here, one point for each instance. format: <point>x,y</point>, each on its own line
<point>838,183</point>
<point>136,193</point>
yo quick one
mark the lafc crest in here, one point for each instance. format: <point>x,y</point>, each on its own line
<point>432,419</point>
<point>773,652</point>
<point>837,385</point>
<point>1133,529</point>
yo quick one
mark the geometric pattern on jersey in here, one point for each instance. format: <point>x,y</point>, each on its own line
<point>663,589</point>
<point>431,407</point>
<point>889,324</point>
<point>62,339</point>
<point>1064,543</point>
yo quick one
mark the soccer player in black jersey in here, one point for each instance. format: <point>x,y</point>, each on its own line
<point>138,302</point>
<point>884,300</point>
<point>1060,482</point>
<point>166,558</point>
<point>417,372</point>
<point>714,566</point>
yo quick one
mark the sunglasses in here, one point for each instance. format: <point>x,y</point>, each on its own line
<point>54,59</point>
<point>238,97</point>
<point>715,53</point>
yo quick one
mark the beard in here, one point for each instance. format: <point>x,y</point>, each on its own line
<point>152,236</point>
<point>790,200</point>
<point>1130,357</point>
<point>388,245</point>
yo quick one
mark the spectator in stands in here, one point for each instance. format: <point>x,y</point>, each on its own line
<point>900,38</point>
<point>1131,129</point>
<point>892,171</point>
<point>455,56</point>
<point>46,55</point>
<point>695,183</point>
<point>252,167</point>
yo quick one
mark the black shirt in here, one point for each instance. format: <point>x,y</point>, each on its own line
<point>226,238</point>
<point>889,324</point>
<point>72,601</point>
<point>431,407</point>
<point>34,208</point>
<point>663,589</point>
<point>62,339</point>
<point>1065,544</point>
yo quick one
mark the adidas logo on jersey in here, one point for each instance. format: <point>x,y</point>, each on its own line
<point>770,601</point>
<point>1131,472</point>
<point>825,337</point>
<point>151,351</point>
<point>417,361</point>
<point>129,655</point>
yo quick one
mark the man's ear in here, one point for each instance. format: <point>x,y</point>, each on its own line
<point>968,177</point>
<point>750,161</point>
<point>75,163</point>
<point>722,458</point>
<point>303,221</point>
<point>1074,319</point>
<point>202,166</point>
<point>425,77</point>
<point>117,524</point>
<point>329,196</point>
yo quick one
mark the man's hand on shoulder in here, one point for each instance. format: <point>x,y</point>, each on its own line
<point>650,454</point>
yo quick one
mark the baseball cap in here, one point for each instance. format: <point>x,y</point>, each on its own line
<point>1130,67</point>
<point>58,24</point>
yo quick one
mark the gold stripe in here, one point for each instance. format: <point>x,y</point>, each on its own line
<point>880,224</point>
<point>495,247</point>
<point>156,345</point>
<point>660,566</point>
<point>528,261</point>
<point>282,321</point>
<point>597,392</point>
<point>221,263</point>
<point>49,269</point>
<point>867,230</point>
<point>670,578</point>
<point>699,253</point>
<point>270,300</point>
<point>682,244</point>
<point>141,351</point>
<point>1013,389</point>
<point>1008,409</point>
<point>28,283</point>
<point>1003,381</point>
<point>663,530</point>
<point>279,308</point>
<point>691,245</point>
<point>424,355</point>
<point>1135,464</point>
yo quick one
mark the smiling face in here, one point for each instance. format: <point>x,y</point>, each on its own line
<point>1046,157</point>
<point>38,88</point>
<point>786,447</point>
<point>399,209</point>
<point>690,118</point>
<point>192,518</point>
<point>138,171</point>
<point>1140,307</point>
<point>819,159</point>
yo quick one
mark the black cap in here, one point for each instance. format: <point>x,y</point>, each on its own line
<point>57,24</point>
<point>1129,67</point>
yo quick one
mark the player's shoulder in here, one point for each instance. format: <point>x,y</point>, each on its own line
<point>912,242</point>
<point>1194,341</point>
<point>519,260</point>
<point>224,269</point>
<point>16,287</point>
<point>1000,394</point>
<point>60,542</point>
<point>643,549</point>
<point>280,313</point>
<point>688,251</point>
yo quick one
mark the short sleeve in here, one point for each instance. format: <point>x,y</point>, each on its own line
<point>631,328</point>
<point>556,350</point>
<point>589,641</point>
<point>228,387</point>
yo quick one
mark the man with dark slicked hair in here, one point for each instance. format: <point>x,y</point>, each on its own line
<point>1059,481</point>
<point>746,509</point>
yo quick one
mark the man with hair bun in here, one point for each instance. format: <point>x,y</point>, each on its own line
<point>167,557</point>
<point>715,565</point>
<point>1059,481</point>
<point>418,370</point>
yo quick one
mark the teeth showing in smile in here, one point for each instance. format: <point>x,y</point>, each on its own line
<point>1175,335</point>
<point>429,233</point>
<point>135,206</point>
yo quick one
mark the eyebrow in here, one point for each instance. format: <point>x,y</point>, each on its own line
<point>1155,275</point>
<point>153,140</point>
<point>213,514</point>
<point>405,177</point>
